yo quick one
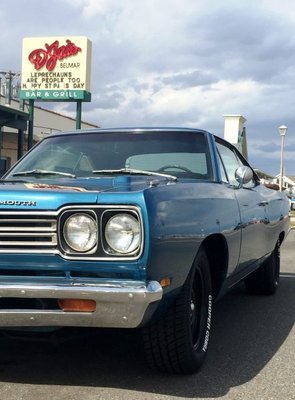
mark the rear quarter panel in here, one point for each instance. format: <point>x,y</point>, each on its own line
<point>278,209</point>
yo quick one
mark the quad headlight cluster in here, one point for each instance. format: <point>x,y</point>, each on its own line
<point>101,233</point>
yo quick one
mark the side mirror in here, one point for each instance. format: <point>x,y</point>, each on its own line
<point>243,175</point>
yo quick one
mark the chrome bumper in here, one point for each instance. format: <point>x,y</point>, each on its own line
<point>118,305</point>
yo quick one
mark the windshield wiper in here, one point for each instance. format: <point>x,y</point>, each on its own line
<point>131,171</point>
<point>35,172</point>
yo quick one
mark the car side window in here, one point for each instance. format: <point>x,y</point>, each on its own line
<point>230,161</point>
<point>224,177</point>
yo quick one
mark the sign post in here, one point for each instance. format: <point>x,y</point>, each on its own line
<point>78,114</point>
<point>31,124</point>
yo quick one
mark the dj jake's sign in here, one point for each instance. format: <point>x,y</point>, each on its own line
<point>56,69</point>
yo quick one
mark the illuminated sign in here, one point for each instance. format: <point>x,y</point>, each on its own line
<point>56,69</point>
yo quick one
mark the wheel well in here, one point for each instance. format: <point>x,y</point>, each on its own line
<point>281,238</point>
<point>217,253</point>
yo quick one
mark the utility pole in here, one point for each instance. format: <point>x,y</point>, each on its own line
<point>9,76</point>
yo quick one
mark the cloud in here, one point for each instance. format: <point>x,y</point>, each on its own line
<point>177,63</point>
<point>188,79</point>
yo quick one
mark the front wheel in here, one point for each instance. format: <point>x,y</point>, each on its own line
<point>178,342</point>
<point>265,280</point>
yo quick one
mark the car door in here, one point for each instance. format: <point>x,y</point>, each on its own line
<point>252,206</point>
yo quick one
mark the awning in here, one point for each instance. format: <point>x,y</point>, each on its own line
<point>13,118</point>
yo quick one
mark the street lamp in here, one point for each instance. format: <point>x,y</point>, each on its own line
<point>283,131</point>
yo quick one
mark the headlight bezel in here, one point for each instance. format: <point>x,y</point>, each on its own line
<point>66,243</point>
<point>107,217</point>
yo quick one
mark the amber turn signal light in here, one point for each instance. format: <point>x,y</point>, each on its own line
<point>77,305</point>
<point>165,282</point>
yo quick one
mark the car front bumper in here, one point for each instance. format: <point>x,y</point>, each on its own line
<point>118,304</point>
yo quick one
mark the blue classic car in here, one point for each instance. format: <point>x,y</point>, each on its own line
<point>136,228</point>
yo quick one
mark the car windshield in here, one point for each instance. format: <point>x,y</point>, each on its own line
<point>181,154</point>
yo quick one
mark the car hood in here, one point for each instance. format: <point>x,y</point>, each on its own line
<point>52,194</point>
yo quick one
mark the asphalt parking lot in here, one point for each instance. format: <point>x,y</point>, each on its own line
<point>251,356</point>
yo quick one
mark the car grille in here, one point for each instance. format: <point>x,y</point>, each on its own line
<point>41,232</point>
<point>28,232</point>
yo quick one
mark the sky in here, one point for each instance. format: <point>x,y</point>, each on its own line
<point>176,63</point>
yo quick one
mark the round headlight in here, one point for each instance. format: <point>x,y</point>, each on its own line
<point>80,232</point>
<point>122,233</point>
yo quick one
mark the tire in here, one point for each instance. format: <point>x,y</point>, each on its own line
<point>178,342</point>
<point>265,280</point>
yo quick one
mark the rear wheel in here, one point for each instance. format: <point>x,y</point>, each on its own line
<point>265,280</point>
<point>178,342</point>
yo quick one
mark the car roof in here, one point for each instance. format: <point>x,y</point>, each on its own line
<point>128,130</point>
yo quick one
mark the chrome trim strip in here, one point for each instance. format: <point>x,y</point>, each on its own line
<point>30,234</point>
<point>118,305</point>
<point>25,212</point>
<point>30,251</point>
<point>27,244</point>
